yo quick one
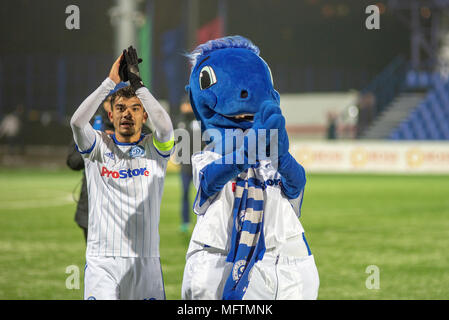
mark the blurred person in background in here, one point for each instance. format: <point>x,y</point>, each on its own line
<point>367,112</point>
<point>331,125</point>
<point>187,122</point>
<point>76,162</point>
<point>12,129</point>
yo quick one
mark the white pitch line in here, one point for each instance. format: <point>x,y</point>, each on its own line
<point>29,204</point>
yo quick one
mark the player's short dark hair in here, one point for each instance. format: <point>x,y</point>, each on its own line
<point>125,92</point>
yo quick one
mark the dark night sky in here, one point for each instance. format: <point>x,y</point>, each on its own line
<point>293,30</point>
<point>291,34</point>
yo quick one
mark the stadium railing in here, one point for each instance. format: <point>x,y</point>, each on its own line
<point>388,83</point>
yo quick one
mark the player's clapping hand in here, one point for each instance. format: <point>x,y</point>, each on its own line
<point>114,73</point>
<point>129,68</point>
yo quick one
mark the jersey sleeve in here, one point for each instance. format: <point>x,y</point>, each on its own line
<point>199,161</point>
<point>161,151</point>
<point>160,122</point>
<point>94,150</point>
<point>83,133</point>
<point>164,149</point>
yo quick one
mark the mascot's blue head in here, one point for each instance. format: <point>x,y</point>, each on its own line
<point>229,83</point>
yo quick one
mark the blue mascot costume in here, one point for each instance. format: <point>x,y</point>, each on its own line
<point>248,242</point>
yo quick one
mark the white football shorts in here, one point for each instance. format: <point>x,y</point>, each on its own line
<point>275,277</point>
<point>123,278</point>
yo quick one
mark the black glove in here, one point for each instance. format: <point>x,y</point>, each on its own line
<point>122,69</point>
<point>132,68</point>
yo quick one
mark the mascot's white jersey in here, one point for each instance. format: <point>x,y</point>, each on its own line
<point>215,218</point>
<point>125,183</point>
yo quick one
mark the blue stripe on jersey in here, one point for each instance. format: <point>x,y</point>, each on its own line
<point>88,150</point>
<point>113,222</point>
<point>121,216</point>
<point>128,229</point>
<point>307,245</point>
<point>143,213</point>
<point>161,154</point>
<point>135,207</point>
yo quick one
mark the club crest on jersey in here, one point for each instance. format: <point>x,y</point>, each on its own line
<point>137,151</point>
<point>110,155</point>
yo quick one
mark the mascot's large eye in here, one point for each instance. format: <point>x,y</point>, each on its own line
<point>207,77</point>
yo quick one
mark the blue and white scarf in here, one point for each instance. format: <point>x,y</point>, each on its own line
<point>247,242</point>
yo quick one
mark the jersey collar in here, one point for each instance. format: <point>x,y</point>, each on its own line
<point>126,143</point>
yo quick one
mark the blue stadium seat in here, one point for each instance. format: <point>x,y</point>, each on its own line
<point>425,113</point>
<point>445,108</point>
<point>446,85</point>
<point>432,131</point>
<point>395,135</point>
<point>440,118</point>
<point>430,120</point>
<point>407,132</point>
<point>445,132</point>
<point>414,115</point>
<point>418,130</point>
<point>443,128</point>
<point>436,109</point>
<point>401,133</point>
<point>444,92</point>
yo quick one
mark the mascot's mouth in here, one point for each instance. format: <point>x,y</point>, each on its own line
<point>242,117</point>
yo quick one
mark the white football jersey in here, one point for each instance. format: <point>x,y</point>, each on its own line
<point>215,217</point>
<point>125,182</point>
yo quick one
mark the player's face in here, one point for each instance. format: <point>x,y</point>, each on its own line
<point>128,117</point>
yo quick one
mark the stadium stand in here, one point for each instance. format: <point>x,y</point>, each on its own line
<point>410,105</point>
<point>430,119</point>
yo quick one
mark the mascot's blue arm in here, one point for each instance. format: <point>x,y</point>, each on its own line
<point>215,175</point>
<point>293,176</point>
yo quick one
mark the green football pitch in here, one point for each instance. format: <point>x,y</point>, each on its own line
<point>373,236</point>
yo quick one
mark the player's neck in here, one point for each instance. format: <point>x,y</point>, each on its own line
<point>128,139</point>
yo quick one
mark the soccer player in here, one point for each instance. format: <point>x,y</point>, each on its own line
<point>125,176</point>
